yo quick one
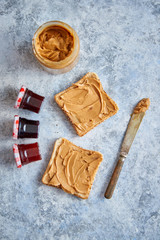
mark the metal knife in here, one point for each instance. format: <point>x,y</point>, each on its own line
<point>134,123</point>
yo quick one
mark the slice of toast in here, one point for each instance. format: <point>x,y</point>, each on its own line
<point>72,168</point>
<point>86,103</point>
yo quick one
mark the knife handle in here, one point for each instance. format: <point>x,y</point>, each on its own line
<point>114,178</point>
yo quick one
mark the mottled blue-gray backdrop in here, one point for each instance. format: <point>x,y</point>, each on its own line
<point>120,41</point>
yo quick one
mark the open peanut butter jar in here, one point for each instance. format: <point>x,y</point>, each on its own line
<point>56,47</point>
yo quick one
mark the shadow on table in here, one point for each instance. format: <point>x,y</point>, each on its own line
<point>7,157</point>
<point>8,96</point>
<point>6,128</point>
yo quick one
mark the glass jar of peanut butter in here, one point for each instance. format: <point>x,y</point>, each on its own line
<point>56,47</point>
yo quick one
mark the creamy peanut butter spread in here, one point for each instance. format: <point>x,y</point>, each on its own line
<point>142,106</point>
<point>86,103</point>
<point>72,168</point>
<point>54,43</point>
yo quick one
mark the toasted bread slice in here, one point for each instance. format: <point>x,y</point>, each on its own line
<point>72,168</point>
<point>86,103</point>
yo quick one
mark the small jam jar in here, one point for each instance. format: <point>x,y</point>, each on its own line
<point>25,128</point>
<point>26,153</point>
<point>28,100</point>
<point>56,47</point>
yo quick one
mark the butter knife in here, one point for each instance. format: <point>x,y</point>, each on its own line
<point>134,123</point>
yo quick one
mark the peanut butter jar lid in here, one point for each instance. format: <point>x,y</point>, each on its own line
<point>20,97</point>
<point>15,127</point>
<point>17,156</point>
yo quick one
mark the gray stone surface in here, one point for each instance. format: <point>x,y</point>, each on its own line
<point>120,41</point>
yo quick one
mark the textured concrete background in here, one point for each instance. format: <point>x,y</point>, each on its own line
<point>120,41</point>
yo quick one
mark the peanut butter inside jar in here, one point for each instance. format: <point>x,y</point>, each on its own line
<point>56,47</point>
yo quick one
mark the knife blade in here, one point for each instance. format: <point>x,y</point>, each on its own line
<point>133,126</point>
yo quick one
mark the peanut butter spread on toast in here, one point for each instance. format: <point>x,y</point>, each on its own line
<point>86,103</point>
<point>72,168</point>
